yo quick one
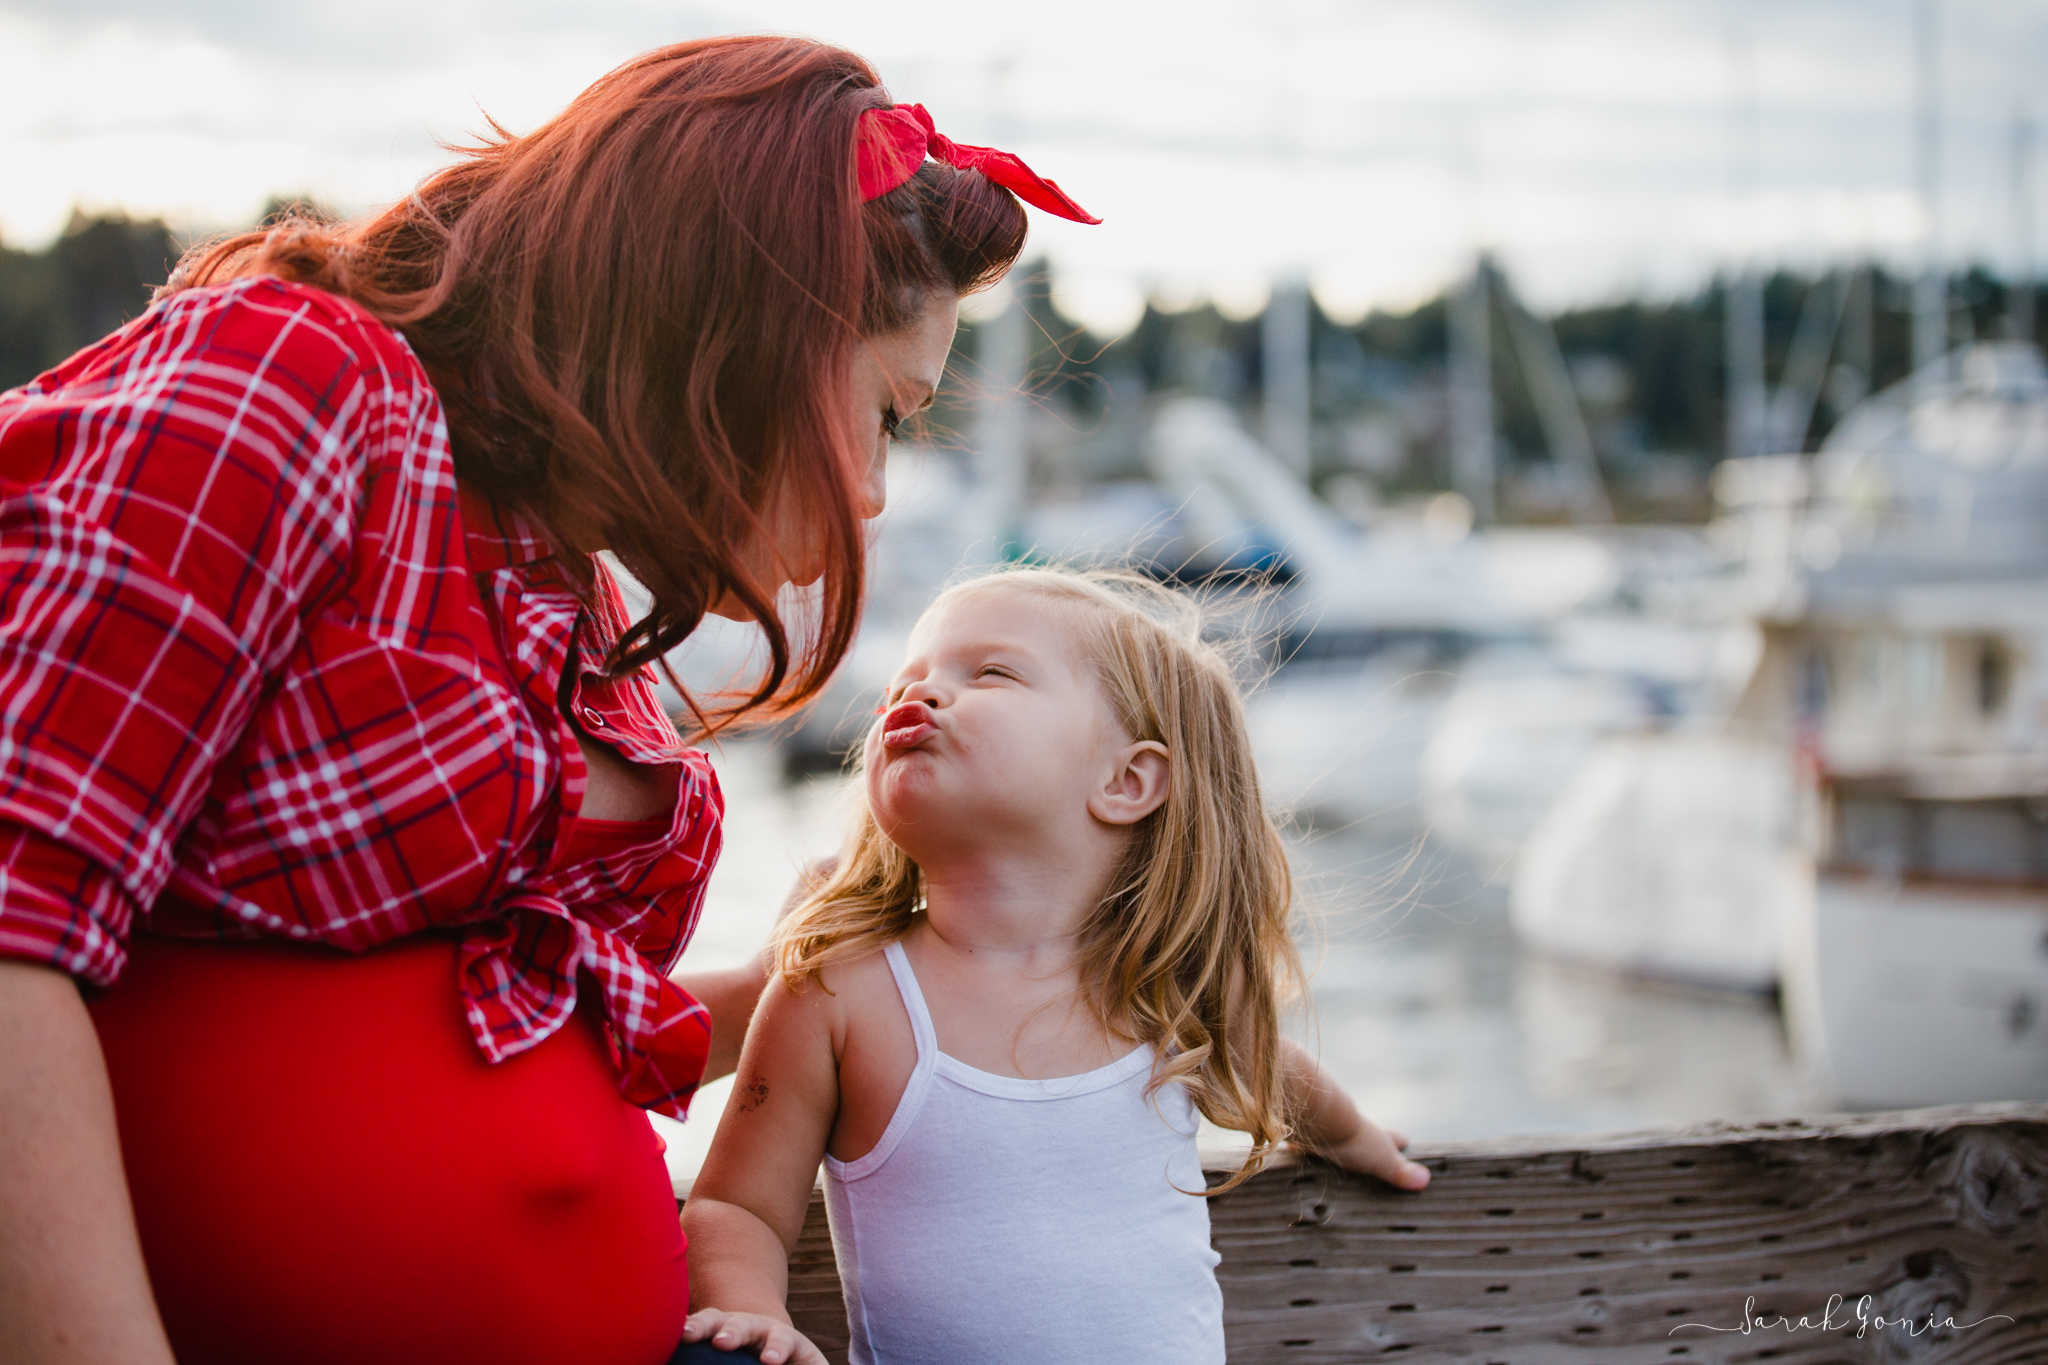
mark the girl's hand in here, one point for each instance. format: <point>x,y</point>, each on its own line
<point>779,1343</point>
<point>1376,1151</point>
<point>1331,1126</point>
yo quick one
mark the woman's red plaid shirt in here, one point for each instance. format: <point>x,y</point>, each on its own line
<point>266,676</point>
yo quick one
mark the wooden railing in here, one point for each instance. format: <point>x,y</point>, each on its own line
<point>1611,1248</point>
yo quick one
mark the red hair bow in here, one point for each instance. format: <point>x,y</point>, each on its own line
<point>892,143</point>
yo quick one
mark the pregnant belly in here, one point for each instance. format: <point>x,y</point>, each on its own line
<point>324,1168</point>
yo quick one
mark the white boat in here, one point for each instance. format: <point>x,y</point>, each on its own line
<point>1900,994</point>
<point>1509,740</point>
<point>1374,630</point>
<point>1885,841</point>
<point>1916,665</point>
<point>1668,856</point>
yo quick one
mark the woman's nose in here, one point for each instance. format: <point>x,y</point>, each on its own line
<point>874,493</point>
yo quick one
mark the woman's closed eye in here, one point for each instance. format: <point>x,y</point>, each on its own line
<point>891,420</point>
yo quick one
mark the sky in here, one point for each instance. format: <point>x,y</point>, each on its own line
<point>1600,148</point>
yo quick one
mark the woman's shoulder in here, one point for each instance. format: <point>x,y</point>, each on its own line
<point>254,349</point>
<point>218,407</point>
<point>288,325</point>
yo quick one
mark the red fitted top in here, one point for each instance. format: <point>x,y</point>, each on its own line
<point>267,676</point>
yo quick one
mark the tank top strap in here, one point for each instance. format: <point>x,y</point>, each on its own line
<point>913,1004</point>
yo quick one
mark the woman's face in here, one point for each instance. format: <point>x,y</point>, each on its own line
<point>894,375</point>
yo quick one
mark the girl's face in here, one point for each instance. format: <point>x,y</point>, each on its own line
<point>995,731</point>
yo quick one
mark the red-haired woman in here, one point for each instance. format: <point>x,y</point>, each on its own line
<point>331,773</point>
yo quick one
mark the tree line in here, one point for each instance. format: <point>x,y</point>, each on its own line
<point>1664,360</point>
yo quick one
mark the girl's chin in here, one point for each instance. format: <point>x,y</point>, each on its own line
<point>912,812</point>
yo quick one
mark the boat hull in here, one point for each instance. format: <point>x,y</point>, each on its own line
<point>1907,994</point>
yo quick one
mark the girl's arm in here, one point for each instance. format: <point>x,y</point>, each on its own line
<point>1329,1124</point>
<point>1326,1122</point>
<point>747,1206</point>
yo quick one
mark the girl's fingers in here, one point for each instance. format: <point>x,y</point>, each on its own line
<point>1398,1170</point>
<point>740,1329</point>
<point>728,1331</point>
<point>787,1346</point>
<point>779,1343</point>
<point>1379,1154</point>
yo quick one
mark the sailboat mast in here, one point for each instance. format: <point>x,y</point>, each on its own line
<point>1930,291</point>
<point>1743,309</point>
<point>2022,309</point>
<point>1469,335</point>
<point>1285,361</point>
<point>1471,385</point>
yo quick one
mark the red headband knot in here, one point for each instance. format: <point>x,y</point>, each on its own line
<point>890,144</point>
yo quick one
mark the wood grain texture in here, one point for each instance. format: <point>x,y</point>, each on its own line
<point>1599,1249</point>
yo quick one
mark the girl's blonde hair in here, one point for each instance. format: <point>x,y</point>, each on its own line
<point>1190,949</point>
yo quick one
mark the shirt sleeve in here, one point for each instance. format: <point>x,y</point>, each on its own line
<point>172,501</point>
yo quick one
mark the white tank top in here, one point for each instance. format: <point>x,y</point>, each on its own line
<point>1004,1220</point>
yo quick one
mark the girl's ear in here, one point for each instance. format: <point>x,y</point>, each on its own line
<point>1136,785</point>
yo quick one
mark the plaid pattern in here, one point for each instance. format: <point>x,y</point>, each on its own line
<point>266,674</point>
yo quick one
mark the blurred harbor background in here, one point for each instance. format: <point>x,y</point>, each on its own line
<point>1621,432</point>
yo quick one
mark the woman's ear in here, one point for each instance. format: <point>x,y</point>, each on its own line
<point>1136,785</point>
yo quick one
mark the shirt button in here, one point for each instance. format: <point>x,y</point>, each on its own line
<point>592,719</point>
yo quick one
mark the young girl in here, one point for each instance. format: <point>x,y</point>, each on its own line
<point>1059,933</point>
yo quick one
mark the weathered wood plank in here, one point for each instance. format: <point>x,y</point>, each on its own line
<point>1535,1251</point>
<point>816,1303</point>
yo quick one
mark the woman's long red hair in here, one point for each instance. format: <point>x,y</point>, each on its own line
<point>641,318</point>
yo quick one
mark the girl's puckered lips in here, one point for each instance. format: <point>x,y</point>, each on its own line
<point>906,725</point>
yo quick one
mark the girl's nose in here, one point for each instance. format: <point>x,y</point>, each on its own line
<point>922,690</point>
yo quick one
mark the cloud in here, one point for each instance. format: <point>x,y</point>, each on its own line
<point>381,35</point>
<point>1590,141</point>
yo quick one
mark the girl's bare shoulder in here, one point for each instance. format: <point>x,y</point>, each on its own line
<point>848,992</point>
<point>859,978</point>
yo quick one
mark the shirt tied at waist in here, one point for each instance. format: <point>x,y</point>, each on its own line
<point>519,973</point>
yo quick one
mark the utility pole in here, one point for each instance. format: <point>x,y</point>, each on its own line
<point>1002,444</point>
<point>2022,309</point>
<point>1471,391</point>
<point>1930,291</point>
<point>1469,428</point>
<point>1743,305</point>
<point>1744,337</point>
<point>1286,364</point>
<point>1285,359</point>
<point>1858,337</point>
